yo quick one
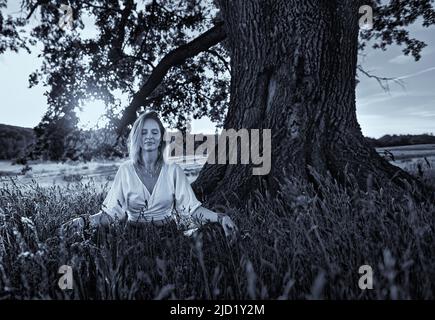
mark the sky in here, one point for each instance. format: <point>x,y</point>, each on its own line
<point>402,110</point>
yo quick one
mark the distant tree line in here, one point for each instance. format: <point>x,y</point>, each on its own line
<point>22,144</point>
<point>15,141</point>
<point>19,143</point>
<point>402,140</point>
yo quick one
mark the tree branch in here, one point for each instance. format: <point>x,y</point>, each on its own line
<point>173,58</point>
<point>383,81</point>
<point>102,7</point>
<point>147,61</point>
<point>226,64</point>
<point>31,11</point>
<point>36,5</point>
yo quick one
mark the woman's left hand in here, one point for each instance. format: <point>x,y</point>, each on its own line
<point>230,228</point>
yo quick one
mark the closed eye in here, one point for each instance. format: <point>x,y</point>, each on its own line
<point>153,131</point>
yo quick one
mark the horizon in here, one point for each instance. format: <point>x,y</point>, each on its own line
<point>212,133</point>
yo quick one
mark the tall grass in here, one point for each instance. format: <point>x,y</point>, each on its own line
<point>310,250</point>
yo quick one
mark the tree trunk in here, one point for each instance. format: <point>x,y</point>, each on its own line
<point>293,70</point>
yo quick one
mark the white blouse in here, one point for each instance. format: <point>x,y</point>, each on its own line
<point>129,195</point>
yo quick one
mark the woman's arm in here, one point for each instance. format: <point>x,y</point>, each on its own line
<point>99,219</point>
<point>186,198</point>
<point>113,203</point>
<point>89,221</point>
<point>203,215</point>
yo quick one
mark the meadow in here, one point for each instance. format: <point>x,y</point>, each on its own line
<point>312,250</point>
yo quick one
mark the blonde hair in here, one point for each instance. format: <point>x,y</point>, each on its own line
<point>135,137</point>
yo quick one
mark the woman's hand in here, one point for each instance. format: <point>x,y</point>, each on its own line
<point>74,226</point>
<point>230,228</point>
<point>88,223</point>
<point>203,215</point>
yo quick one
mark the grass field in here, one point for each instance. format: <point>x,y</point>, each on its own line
<point>407,157</point>
<point>312,250</point>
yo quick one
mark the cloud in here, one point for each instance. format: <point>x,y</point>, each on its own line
<point>403,59</point>
<point>376,125</point>
<point>411,75</point>
<point>377,98</point>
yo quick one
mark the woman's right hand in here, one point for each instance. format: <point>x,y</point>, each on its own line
<point>75,226</point>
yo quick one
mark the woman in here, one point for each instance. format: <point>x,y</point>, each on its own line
<point>146,189</point>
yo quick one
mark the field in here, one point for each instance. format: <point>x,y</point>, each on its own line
<point>98,172</point>
<point>417,159</point>
<point>312,250</point>
<point>409,158</point>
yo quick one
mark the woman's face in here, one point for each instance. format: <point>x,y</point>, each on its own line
<point>151,135</point>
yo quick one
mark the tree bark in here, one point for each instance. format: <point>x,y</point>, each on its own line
<point>293,70</point>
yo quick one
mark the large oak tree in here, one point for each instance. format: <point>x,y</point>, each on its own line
<point>294,70</point>
<point>292,65</point>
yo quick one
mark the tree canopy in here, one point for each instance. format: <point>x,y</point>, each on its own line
<point>166,54</point>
